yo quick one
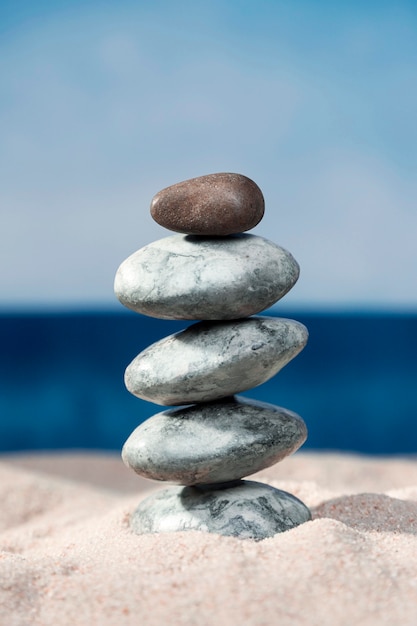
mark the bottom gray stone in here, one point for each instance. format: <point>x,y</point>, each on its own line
<point>244,509</point>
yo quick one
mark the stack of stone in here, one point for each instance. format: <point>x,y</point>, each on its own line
<point>214,272</point>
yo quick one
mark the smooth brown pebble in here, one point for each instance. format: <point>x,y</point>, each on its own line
<point>216,204</point>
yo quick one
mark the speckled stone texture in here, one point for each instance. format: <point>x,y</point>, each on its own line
<point>216,204</point>
<point>205,278</point>
<point>214,442</point>
<point>211,360</point>
<point>244,509</point>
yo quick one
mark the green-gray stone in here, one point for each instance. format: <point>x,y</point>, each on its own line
<point>205,278</point>
<point>212,360</point>
<point>213,442</point>
<point>244,509</point>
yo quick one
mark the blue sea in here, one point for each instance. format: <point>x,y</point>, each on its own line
<point>61,380</point>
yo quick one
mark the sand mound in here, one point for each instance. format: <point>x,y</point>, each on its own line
<point>68,557</point>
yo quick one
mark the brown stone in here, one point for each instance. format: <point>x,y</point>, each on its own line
<point>216,204</point>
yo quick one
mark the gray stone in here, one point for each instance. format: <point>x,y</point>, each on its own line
<point>214,442</point>
<point>216,204</point>
<point>211,360</point>
<point>205,278</point>
<point>244,509</point>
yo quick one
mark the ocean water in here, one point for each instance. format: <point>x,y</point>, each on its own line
<point>61,380</point>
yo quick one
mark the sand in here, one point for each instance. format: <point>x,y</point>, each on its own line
<point>67,555</point>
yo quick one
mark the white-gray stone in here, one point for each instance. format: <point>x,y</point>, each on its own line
<point>244,509</point>
<point>211,360</point>
<point>209,278</point>
<point>213,442</point>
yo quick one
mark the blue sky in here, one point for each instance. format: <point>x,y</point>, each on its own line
<point>102,104</point>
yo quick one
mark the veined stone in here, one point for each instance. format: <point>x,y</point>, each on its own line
<point>212,360</point>
<point>214,442</point>
<point>216,204</point>
<point>205,278</point>
<point>244,509</point>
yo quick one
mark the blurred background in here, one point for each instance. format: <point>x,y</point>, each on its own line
<point>102,104</point>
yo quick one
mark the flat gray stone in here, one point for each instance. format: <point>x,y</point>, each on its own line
<point>205,278</point>
<point>216,204</point>
<point>245,509</point>
<point>213,442</point>
<point>212,360</point>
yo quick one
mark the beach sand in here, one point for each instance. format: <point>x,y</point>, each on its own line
<point>67,556</point>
